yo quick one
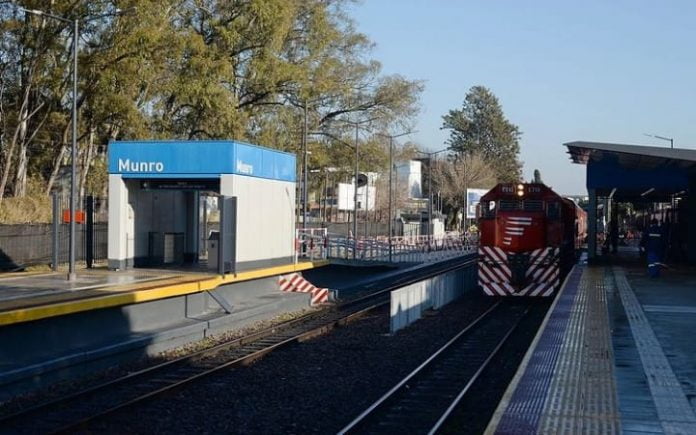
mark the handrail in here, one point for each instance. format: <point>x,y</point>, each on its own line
<point>317,243</point>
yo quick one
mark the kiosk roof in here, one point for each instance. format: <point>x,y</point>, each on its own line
<point>198,159</point>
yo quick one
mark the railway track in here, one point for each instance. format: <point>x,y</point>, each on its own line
<point>422,402</point>
<point>71,412</point>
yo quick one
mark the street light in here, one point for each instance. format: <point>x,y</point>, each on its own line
<point>357,125</point>
<point>355,180</point>
<point>391,171</point>
<point>304,170</point>
<point>671,140</point>
<point>430,190</point>
<point>73,170</point>
<point>71,265</point>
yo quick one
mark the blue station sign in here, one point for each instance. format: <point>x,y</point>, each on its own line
<point>198,159</point>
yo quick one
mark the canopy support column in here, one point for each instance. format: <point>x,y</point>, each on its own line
<point>592,226</point>
<point>691,222</point>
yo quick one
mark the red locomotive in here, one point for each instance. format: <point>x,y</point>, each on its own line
<point>530,237</point>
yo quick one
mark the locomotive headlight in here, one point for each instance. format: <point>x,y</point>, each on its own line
<point>520,190</point>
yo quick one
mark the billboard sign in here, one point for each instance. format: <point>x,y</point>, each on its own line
<point>473,196</point>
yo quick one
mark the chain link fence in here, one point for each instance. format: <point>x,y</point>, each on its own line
<point>33,244</point>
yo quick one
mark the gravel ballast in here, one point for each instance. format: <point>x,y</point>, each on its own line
<point>317,386</point>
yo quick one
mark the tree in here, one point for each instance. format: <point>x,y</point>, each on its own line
<point>537,177</point>
<point>452,176</point>
<point>186,69</point>
<point>481,127</point>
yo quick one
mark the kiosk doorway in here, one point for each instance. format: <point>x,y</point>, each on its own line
<point>172,221</point>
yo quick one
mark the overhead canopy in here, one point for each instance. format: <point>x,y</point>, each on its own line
<point>635,172</point>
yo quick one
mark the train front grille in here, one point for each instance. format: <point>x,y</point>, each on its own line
<point>519,263</point>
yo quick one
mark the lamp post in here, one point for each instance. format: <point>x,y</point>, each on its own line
<point>73,149</point>
<point>430,190</point>
<point>355,180</point>
<point>73,152</point>
<point>671,140</point>
<point>304,171</point>
<point>355,187</point>
<point>391,171</point>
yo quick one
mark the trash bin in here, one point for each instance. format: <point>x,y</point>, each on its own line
<point>213,244</point>
<point>173,248</point>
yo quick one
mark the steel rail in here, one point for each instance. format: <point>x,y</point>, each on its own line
<point>243,360</point>
<point>372,411</point>
<point>326,319</point>
<point>473,379</point>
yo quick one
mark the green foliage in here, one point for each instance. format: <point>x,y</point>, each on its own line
<point>188,69</point>
<point>481,127</point>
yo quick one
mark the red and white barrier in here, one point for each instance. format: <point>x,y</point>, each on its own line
<point>295,283</point>
<point>495,274</point>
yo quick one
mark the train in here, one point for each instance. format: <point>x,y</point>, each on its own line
<point>529,239</point>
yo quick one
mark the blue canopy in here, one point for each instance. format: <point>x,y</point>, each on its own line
<point>198,159</point>
<point>635,172</point>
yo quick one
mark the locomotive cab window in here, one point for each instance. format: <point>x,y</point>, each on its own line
<point>487,209</point>
<point>553,210</point>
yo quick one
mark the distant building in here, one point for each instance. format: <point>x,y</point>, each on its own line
<point>367,195</point>
<point>409,179</point>
<point>334,200</point>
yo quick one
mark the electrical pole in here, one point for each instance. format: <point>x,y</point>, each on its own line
<point>72,276</point>
<point>355,184</point>
<point>355,195</point>
<point>430,191</point>
<point>389,218</point>
<point>671,140</point>
<point>430,200</point>
<point>367,204</point>
<point>304,170</point>
<point>391,172</point>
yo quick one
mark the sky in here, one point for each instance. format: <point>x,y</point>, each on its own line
<point>606,71</point>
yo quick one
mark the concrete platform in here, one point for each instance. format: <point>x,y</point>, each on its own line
<point>31,296</point>
<point>53,330</point>
<point>615,354</point>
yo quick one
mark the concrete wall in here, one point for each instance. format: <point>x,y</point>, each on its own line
<point>408,303</point>
<point>121,235</point>
<point>265,220</point>
<point>64,347</point>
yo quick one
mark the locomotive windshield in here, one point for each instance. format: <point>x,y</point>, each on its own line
<point>521,205</point>
<point>487,209</point>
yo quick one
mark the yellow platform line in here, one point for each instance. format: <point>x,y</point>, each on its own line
<point>136,296</point>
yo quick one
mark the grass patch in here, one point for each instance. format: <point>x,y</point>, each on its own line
<point>29,209</point>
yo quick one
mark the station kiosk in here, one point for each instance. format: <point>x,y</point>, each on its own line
<point>160,204</point>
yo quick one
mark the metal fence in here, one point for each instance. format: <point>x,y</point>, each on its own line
<point>33,244</point>
<point>318,244</point>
